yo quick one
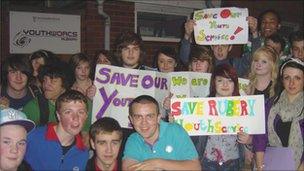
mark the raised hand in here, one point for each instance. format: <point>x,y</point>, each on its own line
<point>189,28</point>
<point>253,26</point>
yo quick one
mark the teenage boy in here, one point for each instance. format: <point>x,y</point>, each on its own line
<point>269,23</point>
<point>55,81</point>
<point>157,145</point>
<point>297,45</point>
<point>14,127</point>
<point>129,51</point>
<point>277,42</point>
<point>105,139</point>
<point>15,92</point>
<point>59,146</point>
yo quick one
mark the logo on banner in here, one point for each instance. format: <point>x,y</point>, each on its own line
<point>21,40</point>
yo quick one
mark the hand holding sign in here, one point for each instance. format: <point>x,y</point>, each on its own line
<point>189,27</point>
<point>167,100</point>
<point>221,26</point>
<point>253,26</point>
<point>221,115</point>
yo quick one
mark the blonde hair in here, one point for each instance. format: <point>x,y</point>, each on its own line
<point>272,56</point>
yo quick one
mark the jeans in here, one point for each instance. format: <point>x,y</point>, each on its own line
<point>230,165</point>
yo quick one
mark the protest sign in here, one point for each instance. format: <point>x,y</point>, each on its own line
<point>220,115</point>
<point>117,86</point>
<point>221,26</point>
<point>195,84</point>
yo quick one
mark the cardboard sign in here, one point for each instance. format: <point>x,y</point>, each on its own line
<point>216,26</point>
<point>220,115</point>
<point>117,87</point>
<point>195,84</point>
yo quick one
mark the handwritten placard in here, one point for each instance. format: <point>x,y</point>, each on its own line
<point>195,84</point>
<point>117,87</point>
<point>221,26</point>
<point>220,115</point>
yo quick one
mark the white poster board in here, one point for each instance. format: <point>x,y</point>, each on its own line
<point>220,115</point>
<point>117,87</point>
<point>196,84</point>
<point>216,26</point>
<point>30,31</point>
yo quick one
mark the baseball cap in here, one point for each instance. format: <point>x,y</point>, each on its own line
<point>15,117</point>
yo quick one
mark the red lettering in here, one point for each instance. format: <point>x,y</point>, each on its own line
<point>176,109</point>
<point>212,107</point>
<point>244,108</point>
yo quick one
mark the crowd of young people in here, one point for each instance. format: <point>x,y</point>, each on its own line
<point>42,90</point>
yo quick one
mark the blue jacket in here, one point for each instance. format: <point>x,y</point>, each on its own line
<point>44,151</point>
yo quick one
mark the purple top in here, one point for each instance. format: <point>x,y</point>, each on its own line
<point>260,141</point>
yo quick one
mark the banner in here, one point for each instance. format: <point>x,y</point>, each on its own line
<point>220,115</point>
<point>117,87</point>
<point>216,26</point>
<point>30,31</point>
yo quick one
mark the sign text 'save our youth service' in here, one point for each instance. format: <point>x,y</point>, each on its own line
<point>221,26</point>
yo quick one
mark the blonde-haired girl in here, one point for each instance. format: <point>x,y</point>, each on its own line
<point>263,72</point>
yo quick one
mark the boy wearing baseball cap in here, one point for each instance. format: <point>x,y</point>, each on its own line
<point>14,127</point>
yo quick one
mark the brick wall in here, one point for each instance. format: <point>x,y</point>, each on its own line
<point>92,28</point>
<point>4,32</point>
<point>122,18</point>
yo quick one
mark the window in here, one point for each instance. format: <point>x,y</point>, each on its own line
<point>160,22</point>
<point>160,25</point>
